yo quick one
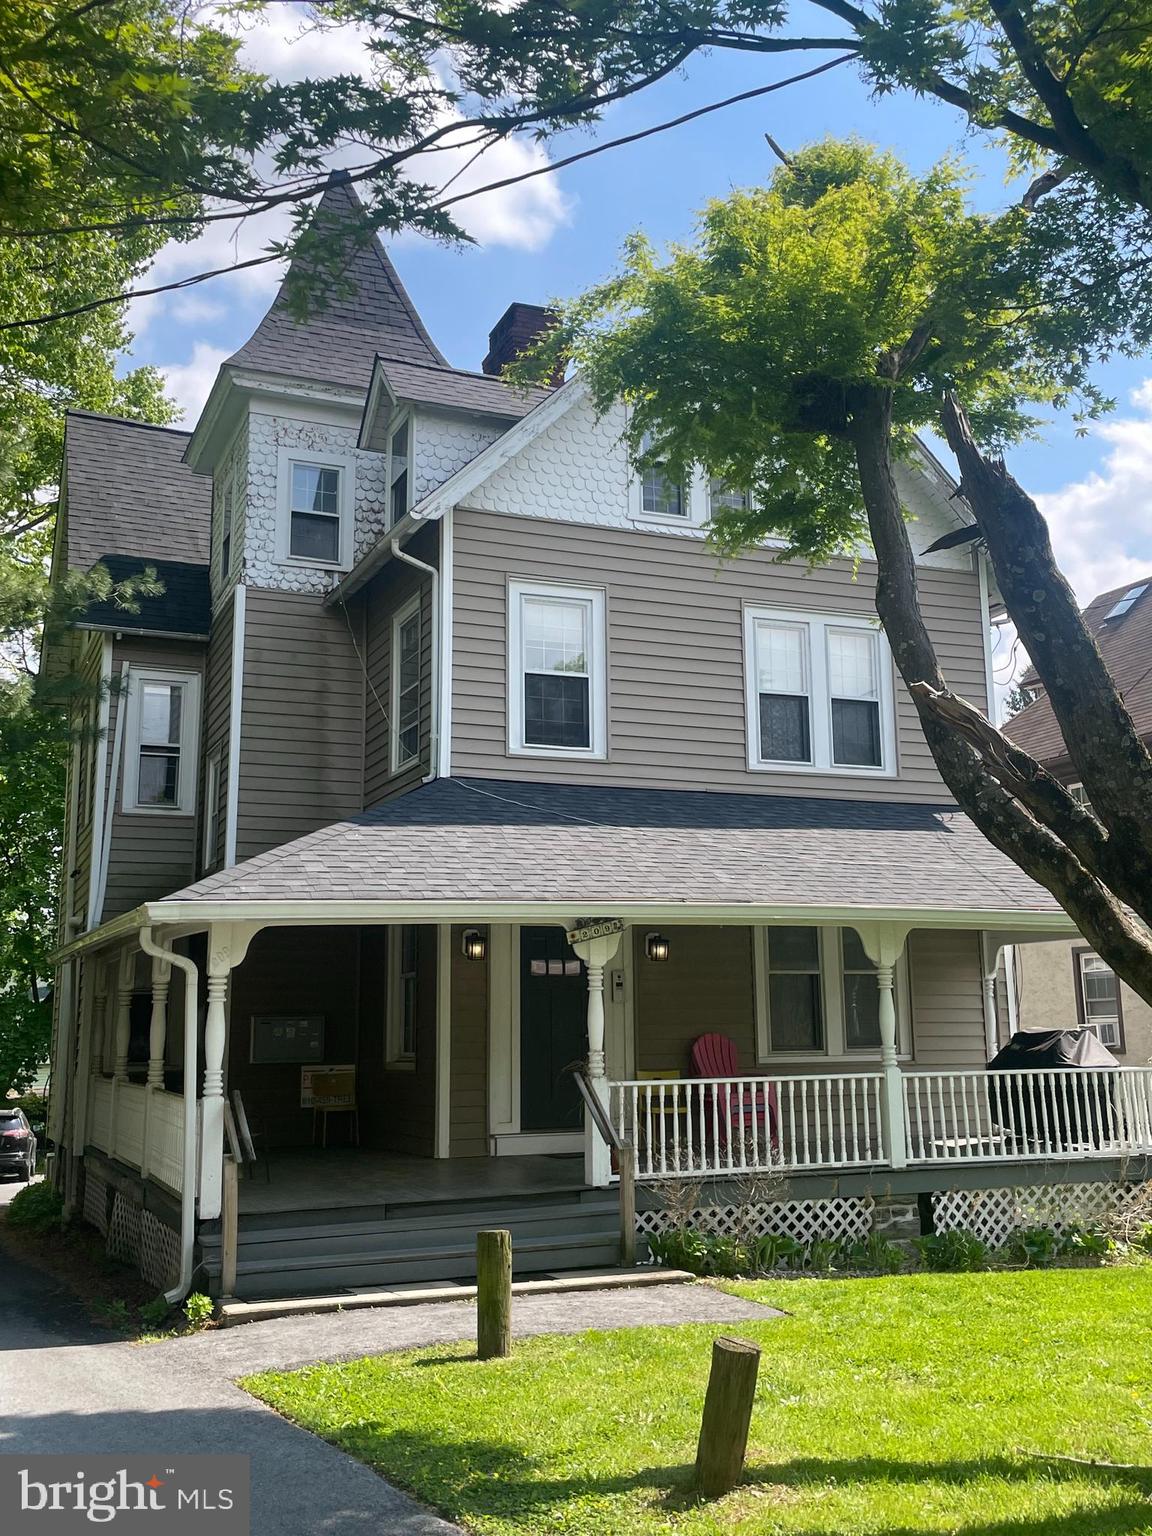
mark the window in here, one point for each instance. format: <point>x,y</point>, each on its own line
<point>227,495</point>
<point>406,636</point>
<point>398,458</point>
<point>556,670</point>
<point>1120,608</point>
<point>819,694</point>
<point>1098,999</point>
<point>660,495</point>
<point>722,498</point>
<point>818,994</point>
<point>1080,795</point>
<point>403,994</point>
<point>162,724</point>
<point>211,809</point>
<point>315,494</point>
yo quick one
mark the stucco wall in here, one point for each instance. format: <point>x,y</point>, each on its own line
<point>1047,984</point>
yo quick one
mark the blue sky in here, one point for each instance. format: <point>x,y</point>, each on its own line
<point>556,234</point>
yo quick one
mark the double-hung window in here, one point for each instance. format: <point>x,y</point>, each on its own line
<point>399,455</point>
<point>557,670</point>
<point>162,729</point>
<point>819,693</point>
<point>725,498</point>
<point>227,512</point>
<point>818,995</point>
<point>406,642</point>
<point>660,494</point>
<point>1098,998</point>
<point>316,508</point>
<point>403,994</point>
<point>211,809</point>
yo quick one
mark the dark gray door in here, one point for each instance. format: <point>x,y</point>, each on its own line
<point>553,1023</point>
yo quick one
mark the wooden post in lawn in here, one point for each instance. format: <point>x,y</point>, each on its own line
<point>626,1158</point>
<point>229,1226</point>
<point>727,1415</point>
<point>493,1294</point>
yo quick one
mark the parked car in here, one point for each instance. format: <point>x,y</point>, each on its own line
<point>17,1144</point>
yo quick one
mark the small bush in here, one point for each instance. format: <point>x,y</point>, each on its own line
<point>154,1312</point>
<point>1084,1243</point>
<point>37,1208</point>
<point>1034,1247</point>
<point>198,1309</point>
<point>957,1250</point>
<point>874,1253</point>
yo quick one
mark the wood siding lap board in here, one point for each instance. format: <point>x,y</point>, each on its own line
<point>384,596</point>
<point>468,1061</point>
<point>676,708</point>
<point>302,720</point>
<point>947,998</point>
<point>150,855</point>
<point>217,723</point>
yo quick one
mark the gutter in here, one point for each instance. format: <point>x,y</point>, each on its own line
<point>188,1176</point>
<point>437,647</point>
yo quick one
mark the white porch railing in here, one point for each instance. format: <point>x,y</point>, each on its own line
<point>100,1114</point>
<point>129,1110</point>
<point>717,1127</point>
<point>140,1126</point>
<point>953,1117</point>
<point>165,1161</point>
<point>685,1127</point>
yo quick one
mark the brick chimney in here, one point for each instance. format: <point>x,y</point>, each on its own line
<point>517,328</point>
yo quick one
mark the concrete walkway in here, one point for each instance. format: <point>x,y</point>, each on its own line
<point>65,1387</point>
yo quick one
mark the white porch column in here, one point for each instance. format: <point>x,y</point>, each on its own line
<point>125,981</point>
<point>990,964</point>
<point>227,945</point>
<point>884,943</point>
<point>596,940</point>
<point>158,1025</point>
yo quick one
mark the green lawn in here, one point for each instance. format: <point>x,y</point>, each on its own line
<point>903,1405</point>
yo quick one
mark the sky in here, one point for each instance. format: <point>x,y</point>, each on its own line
<point>556,234</point>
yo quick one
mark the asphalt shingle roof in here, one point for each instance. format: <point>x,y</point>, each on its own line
<point>492,841</point>
<point>455,389</point>
<point>1126,645</point>
<point>183,608</point>
<point>130,493</point>
<point>339,343</point>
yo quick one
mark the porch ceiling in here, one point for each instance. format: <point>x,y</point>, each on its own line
<point>470,849</point>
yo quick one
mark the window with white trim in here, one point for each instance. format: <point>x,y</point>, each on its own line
<point>819,694</point>
<point>226,509</point>
<point>1080,795</point>
<point>557,670</point>
<point>399,478</point>
<point>1098,998</point>
<point>211,809</point>
<point>724,498</point>
<point>660,494</point>
<point>161,740</point>
<point>818,995</point>
<point>405,673</point>
<point>315,491</point>
<point>403,994</point>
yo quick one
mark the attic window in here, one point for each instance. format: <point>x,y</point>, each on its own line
<point>399,453</point>
<point>315,532</point>
<point>1119,609</point>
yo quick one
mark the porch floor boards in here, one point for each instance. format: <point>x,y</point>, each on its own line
<point>334,1178</point>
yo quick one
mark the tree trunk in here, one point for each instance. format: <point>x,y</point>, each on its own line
<point>999,814</point>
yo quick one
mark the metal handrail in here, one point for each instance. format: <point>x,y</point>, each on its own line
<point>595,1107</point>
<point>625,1162</point>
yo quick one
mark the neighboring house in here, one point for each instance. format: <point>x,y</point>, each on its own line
<point>437,677</point>
<point>1065,985</point>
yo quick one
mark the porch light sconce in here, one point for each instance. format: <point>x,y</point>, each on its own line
<point>474,945</point>
<point>657,947</point>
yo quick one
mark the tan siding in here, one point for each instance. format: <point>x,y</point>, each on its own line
<point>706,984</point>
<point>676,659</point>
<point>468,1062</point>
<point>384,596</point>
<point>947,998</point>
<point>301,746</point>
<point>217,724</point>
<point>149,855</point>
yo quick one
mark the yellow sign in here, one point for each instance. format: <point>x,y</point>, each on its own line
<point>328,1087</point>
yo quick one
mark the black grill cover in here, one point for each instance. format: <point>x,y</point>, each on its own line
<point>1054,1114</point>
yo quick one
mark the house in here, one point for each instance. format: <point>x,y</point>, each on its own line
<point>451,758</point>
<point>1064,984</point>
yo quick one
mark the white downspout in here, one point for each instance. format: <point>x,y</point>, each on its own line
<point>188,1179</point>
<point>437,627</point>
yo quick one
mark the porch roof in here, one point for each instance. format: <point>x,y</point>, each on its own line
<point>487,846</point>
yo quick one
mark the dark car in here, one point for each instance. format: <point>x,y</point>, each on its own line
<point>17,1144</point>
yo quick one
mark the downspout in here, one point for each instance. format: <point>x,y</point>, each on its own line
<point>109,807</point>
<point>188,1178</point>
<point>437,626</point>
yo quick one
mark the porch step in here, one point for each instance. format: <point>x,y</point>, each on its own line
<point>441,1245</point>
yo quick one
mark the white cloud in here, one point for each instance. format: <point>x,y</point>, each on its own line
<point>1100,524</point>
<point>190,382</point>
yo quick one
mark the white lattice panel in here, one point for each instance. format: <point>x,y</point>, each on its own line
<point>994,1214</point>
<point>159,1253</point>
<point>96,1201</point>
<point>124,1230</point>
<point>803,1220</point>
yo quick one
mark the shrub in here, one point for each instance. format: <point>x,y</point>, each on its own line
<point>1034,1247</point>
<point>958,1249</point>
<point>1083,1243</point>
<point>37,1208</point>
<point>198,1309</point>
<point>874,1252</point>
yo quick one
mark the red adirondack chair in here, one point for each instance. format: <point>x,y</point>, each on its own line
<point>717,1056</point>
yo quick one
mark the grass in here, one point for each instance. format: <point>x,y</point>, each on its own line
<point>907,1406</point>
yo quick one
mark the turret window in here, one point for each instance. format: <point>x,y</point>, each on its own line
<point>162,727</point>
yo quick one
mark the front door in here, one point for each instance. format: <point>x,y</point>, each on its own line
<point>553,1024</point>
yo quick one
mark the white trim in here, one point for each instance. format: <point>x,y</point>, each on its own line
<point>235,710</point>
<point>536,1143</point>
<point>405,417</point>
<point>411,609</point>
<point>503,1030</point>
<point>444,617</point>
<point>189,745</point>
<point>832,992</point>
<point>694,491</point>
<point>594,601</point>
<point>986,632</point>
<point>100,747</point>
<point>396,1059</point>
<point>325,458</point>
<point>444,1041</point>
<point>816,628</point>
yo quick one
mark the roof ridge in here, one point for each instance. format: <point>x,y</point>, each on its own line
<point>468,373</point>
<point>127,421</point>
